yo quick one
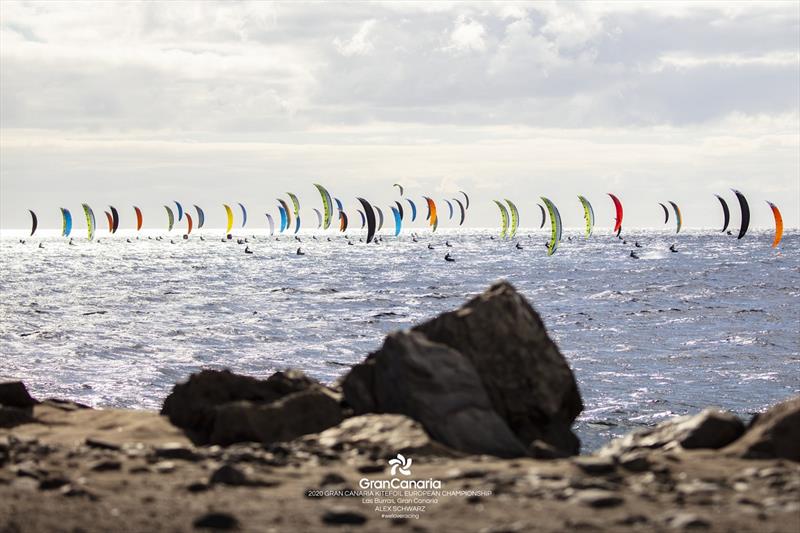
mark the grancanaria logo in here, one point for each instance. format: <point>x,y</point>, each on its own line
<point>401,464</point>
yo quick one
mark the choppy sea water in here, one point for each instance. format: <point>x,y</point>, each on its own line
<point>116,324</point>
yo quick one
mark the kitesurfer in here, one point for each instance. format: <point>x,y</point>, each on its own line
<point>185,237</point>
<point>202,238</point>
<point>413,239</point>
<point>229,237</point>
<point>71,243</point>
<point>634,255</point>
<point>41,245</point>
<point>518,246</point>
<point>430,246</point>
<point>300,252</point>
<point>636,244</point>
<point>672,248</point>
<point>127,240</point>
<point>447,243</point>
<point>247,250</point>
<point>448,258</point>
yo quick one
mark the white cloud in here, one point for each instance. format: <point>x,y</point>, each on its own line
<point>359,44</point>
<point>468,35</point>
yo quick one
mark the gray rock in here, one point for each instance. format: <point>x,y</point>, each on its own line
<point>710,429</point>
<point>434,385</point>
<point>15,394</point>
<point>228,475</point>
<point>772,434</point>
<point>598,499</point>
<point>14,416</point>
<point>687,521</point>
<point>299,413</point>
<point>381,434</point>
<point>527,379</point>
<point>595,465</point>
<point>176,450</point>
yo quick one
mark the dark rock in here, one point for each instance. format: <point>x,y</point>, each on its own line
<point>634,462</point>
<point>332,478</point>
<point>711,429</point>
<point>106,465</point>
<point>434,385</point>
<point>15,394</point>
<point>175,450</point>
<point>596,465</point>
<point>485,378</point>
<point>64,405</point>
<point>14,416</point>
<point>299,413</point>
<point>193,405</point>
<point>373,468</point>
<point>772,434</point>
<point>598,498</point>
<point>197,486</point>
<point>228,475</point>
<point>52,482</point>
<point>101,444</point>
<point>527,379</point>
<point>225,521</point>
<point>541,450</point>
<point>341,515</point>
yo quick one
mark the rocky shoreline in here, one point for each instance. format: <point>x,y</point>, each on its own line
<point>459,424</point>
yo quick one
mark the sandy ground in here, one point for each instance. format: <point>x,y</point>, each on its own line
<point>117,470</point>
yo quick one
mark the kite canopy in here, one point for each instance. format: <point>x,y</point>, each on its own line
<point>399,187</point>
<point>462,210</point>
<point>745,213</point>
<point>726,213</point>
<point>363,218</point>
<point>229,215</point>
<point>432,217</point>
<point>398,221</point>
<point>399,209</point>
<point>201,217</point>
<point>413,209</point>
<point>380,217</point>
<point>114,219</point>
<point>284,218</point>
<point>544,217</point>
<point>170,217</point>
<point>588,215</point>
<point>66,222</point>
<point>34,222</point>
<point>180,210</point>
<point>449,210</point>
<point>666,212</point>
<point>288,213</point>
<point>555,226</point>
<point>327,205</point>
<point>514,218</point>
<point>110,221</point>
<point>618,214</point>
<point>503,219</point>
<point>91,223</point>
<point>295,204</point>
<point>244,214</point>
<point>319,218</point>
<point>271,224</point>
<point>139,218</point>
<point>778,224</point>
<point>678,217</point>
<point>342,221</point>
<point>466,198</point>
<point>188,224</point>
<point>370,216</point>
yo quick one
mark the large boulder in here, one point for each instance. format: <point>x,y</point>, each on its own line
<point>485,378</point>
<point>294,415</point>
<point>772,434</point>
<point>529,383</point>
<point>435,385</point>
<point>709,429</point>
<point>16,404</point>
<point>195,405</point>
<point>15,394</point>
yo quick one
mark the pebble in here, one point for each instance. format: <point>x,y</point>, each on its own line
<point>688,521</point>
<point>101,444</point>
<point>225,521</point>
<point>598,499</point>
<point>595,465</point>
<point>341,515</point>
<point>105,465</point>
<point>164,467</point>
<point>176,450</point>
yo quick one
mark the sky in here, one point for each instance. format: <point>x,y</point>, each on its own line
<point>123,103</point>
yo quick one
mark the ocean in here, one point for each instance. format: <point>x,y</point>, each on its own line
<point>116,324</point>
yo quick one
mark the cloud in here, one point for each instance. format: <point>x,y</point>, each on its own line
<point>480,94</point>
<point>359,44</point>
